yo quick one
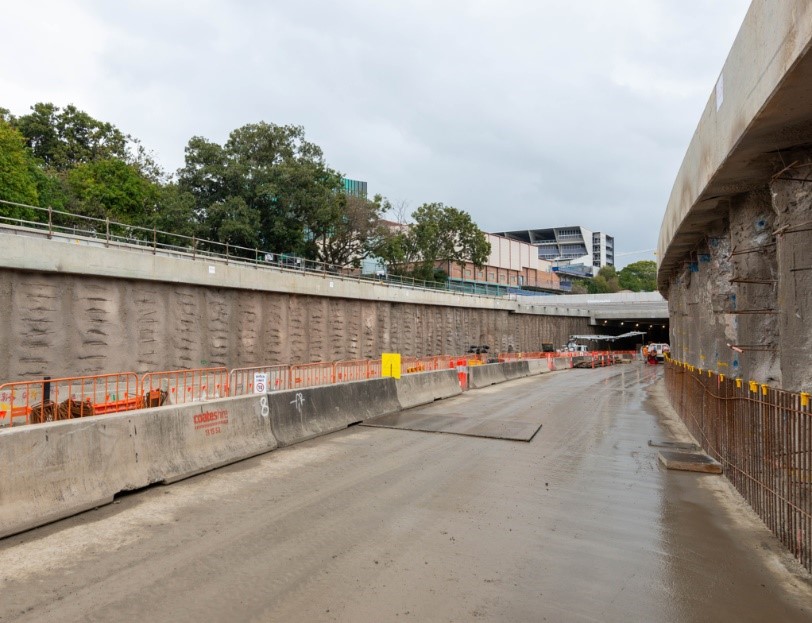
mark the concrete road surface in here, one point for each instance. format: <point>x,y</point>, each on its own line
<point>376,524</point>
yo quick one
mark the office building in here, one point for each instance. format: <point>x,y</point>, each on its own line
<point>569,246</point>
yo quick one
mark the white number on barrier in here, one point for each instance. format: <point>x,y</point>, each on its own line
<point>264,410</point>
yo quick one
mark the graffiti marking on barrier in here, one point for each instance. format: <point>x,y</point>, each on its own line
<point>298,402</point>
<point>264,409</point>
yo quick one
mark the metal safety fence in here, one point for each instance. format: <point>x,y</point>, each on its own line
<point>46,400</point>
<point>182,386</point>
<point>762,436</point>
<point>49,400</point>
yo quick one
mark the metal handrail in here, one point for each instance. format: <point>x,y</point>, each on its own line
<point>153,240</point>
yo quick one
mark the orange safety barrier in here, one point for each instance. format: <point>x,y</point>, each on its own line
<point>357,370</point>
<point>310,374</point>
<point>47,400</point>
<point>182,386</point>
<point>242,379</point>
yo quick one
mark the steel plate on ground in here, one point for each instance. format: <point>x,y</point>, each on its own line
<point>513,430</point>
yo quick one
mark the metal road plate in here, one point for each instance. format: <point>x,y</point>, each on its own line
<point>674,445</point>
<point>689,462</point>
<point>458,425</point>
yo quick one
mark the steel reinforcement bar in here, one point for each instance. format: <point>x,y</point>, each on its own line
<point>763,438</point>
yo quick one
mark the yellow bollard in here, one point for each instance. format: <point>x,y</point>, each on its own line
<point>804,399</point>
<point>763,389</point>
<point>753,386</point>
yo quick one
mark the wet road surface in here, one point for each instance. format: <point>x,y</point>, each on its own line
<point>378,524</point>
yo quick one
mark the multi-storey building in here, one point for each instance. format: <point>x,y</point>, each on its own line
<point>355,187</point>
<point>571,245</point>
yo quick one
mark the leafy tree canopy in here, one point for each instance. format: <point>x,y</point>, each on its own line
<point>64,138</point>
<point>17,182</point>
<point>114,189</point>
<point>281,178</point>
<point>639,276</point>
<point>605,281</point>
<point>439,234</point>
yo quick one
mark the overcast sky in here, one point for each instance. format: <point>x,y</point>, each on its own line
<point>523,113</point>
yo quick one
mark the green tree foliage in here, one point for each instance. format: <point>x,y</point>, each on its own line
<point>639,276</point>
<point>280,177</point>
<point>175,213</point>
<point>87,166</point>
<point>353,232</point>
<point>605,281</point>
<point>440,234</point>
<point>17,177</point>
<point>112,189</point>
<point>64,138</point>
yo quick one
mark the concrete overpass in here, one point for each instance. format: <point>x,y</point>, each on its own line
<point>735,255</point>
<point>735,260</point>
<point>614,313</point>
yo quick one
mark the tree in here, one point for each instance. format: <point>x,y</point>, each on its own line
<point>17,174</point>
<point>64,138</point>
<point>605,281</point>
<point>281,178</point>
<point>112,189</point>
<point>353,234</point>
<point>639,276</point>
<point>440,234</point>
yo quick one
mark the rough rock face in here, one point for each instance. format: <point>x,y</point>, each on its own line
<point>741,304</point>
<point>64,325</point>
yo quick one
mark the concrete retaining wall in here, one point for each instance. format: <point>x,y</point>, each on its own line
<point>297,415</point>
<point>63,468</point>
<point>419,389</point>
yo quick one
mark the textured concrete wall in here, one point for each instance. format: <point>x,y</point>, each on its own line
<point>64,325</point>
<point>792,203</point>
<point>742,302</point>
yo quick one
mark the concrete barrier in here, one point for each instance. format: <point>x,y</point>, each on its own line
<point>537,366</point>
<point>561,363</point>
<point>63,468</point>
<point>179,442</point>
<point>515,369</point>
<point>419,389</point>
<point>298,415</point>
<point>482,376</point>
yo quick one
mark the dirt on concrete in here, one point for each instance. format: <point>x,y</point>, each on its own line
<point>376,524</point>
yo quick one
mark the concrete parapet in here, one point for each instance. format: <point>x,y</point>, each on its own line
<point>419,389</point>
<point>482,376</point>
<point>298,415</point>
<point>63,468</point>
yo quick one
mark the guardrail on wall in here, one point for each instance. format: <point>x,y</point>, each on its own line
<point>762,436</point>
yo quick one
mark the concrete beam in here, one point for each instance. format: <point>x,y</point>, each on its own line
<point>761,105</point>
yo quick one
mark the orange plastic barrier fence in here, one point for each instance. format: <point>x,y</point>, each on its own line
<point>32,402</point>
<point>182,386</point>
<point>243,379</point>
<point>357,370</point>
<point>26,402</point>
<point>310,374</point>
